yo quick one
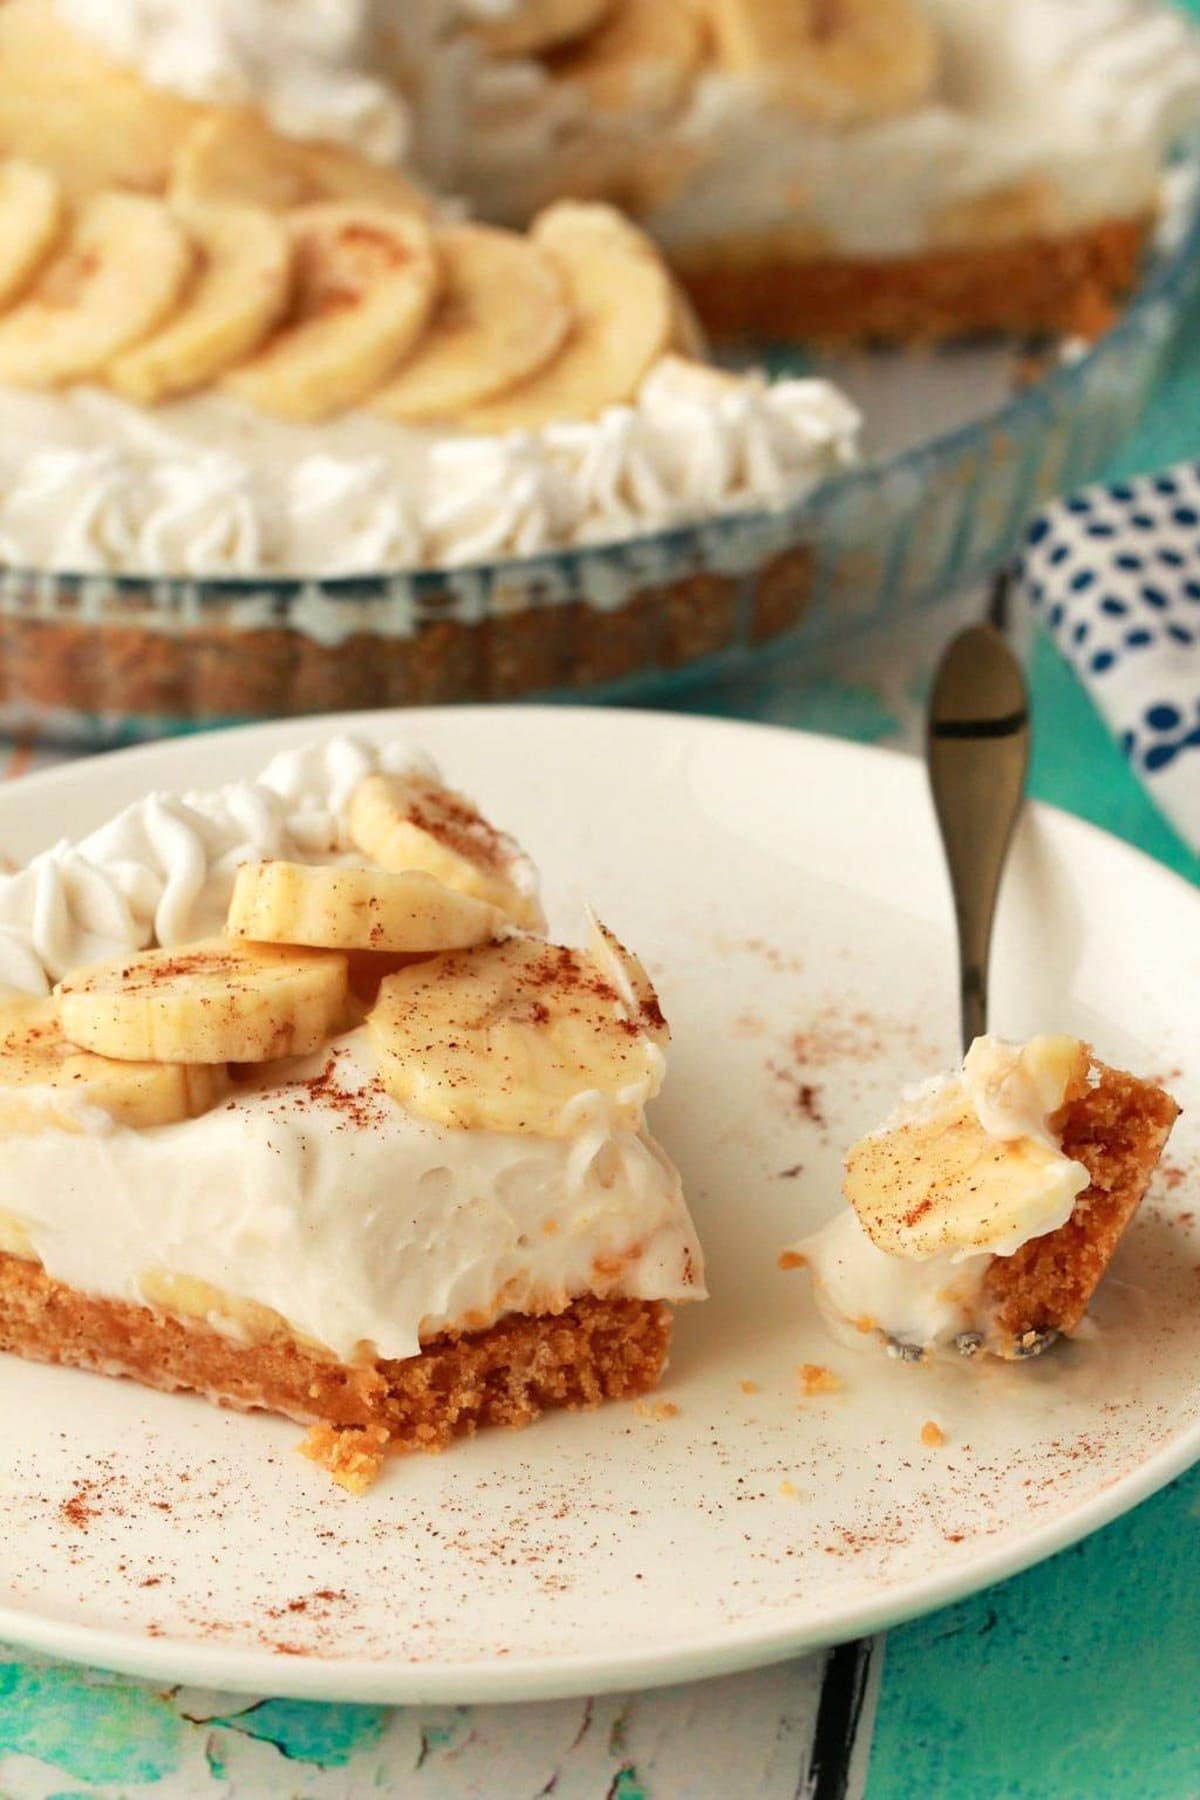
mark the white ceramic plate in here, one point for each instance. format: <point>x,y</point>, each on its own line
<point>788,895</point>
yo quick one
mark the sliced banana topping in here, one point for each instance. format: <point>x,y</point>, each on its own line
<point>242,291</point>
<point>971,1163</point>
<point>124,266</point>
<point>234,158</point>
<point>355,909</point>
<point>211,1002</point>
<point>535,25</point>
<point>406,822</point>
<point>835,61</point>
<point>625,315</point>
<point>45,1080</point>
<point>508,1037</point>
<point>366,282</point>
<point>642,58</point>
<point>64,105</point>
<point>31,218</point>
<point>501,317</point>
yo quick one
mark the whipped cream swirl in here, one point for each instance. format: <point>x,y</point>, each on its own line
<point>162,871</point>
<point>113,491</point>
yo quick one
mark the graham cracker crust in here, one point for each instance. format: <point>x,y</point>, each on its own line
<point>119,661</point>
<point>1117,1130</point>
<point>1030,287</point>
<point>508,1374</point>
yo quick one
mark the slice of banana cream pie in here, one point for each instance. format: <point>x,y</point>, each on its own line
<point>302,1112</point>
<point>985,1211</point>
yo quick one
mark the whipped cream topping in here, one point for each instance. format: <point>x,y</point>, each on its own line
<point>162,871</point>
<point>363,1226</point>
<point>207,488</point>
<point>313,66</point>
<point>928,1293</point>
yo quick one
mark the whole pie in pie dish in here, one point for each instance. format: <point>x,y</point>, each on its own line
<point>829,168</point>
<point>299,302</point>
<point>986,1209</point>
<point>302,1112</point>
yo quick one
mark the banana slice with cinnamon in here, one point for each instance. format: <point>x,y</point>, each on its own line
<point>366,280</point>
<point>508,1037</point>
<point>625,316</point>
<point>122,270</point>
<point>241,292</point>
<point>502,315</point>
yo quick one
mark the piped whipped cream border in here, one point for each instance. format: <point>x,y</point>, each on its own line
<point>143,495</point>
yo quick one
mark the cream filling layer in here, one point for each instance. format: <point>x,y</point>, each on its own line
<point>364,1227</point>
<point>860,1289</point>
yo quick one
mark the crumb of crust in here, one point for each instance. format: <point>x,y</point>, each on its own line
<point>815,1378</point>
<point>932,1435</point>
<point>655,1409</point>
<point>352,1455</point>
<point>748,1387</point>
<point>792,1259</point>
<point>789,1491</point>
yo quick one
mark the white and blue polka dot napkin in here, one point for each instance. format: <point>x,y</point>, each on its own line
<point>1113,573</point>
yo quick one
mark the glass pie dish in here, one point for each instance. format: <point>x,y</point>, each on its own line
<point>104,658</point>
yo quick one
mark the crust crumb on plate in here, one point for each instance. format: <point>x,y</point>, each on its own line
<point>815,1379</point>
<point>353,1456</point>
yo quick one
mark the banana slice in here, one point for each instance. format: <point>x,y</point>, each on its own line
<point>532,26</point>
<point>209,1002</point>
<point>44,1079</point>
<point>366,283</point>
<point>951,1173</point>
<point>355,909</point>
<point>405,822</point>
<point>835,61</point>
<point>66,107</point>
<point>234,158</point>
<point>31,218</point>
<point>242,292</point>
<point>625,314</point>
<point>642,58</point>
<point>507,1037</point>
<point>122,270</point>
<point>503,315</point>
